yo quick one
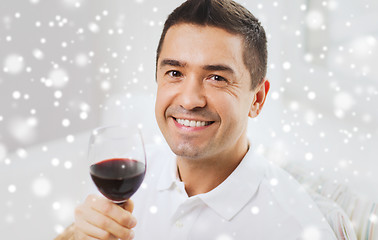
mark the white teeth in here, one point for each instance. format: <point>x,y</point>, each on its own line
<point>192,123</point>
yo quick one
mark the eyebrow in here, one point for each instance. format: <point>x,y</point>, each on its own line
<point>171,62</point>
<point>219,67</point>
<point>210,67</point>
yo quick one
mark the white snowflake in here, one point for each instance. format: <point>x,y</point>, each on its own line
<point>81,60</point>
<point>21,130</point>
<point>311,95</point>
<point>66,122</point>
<point>224,237</point>
<point>13,64</point>
<point>70,138</point>
<point>63,209</point>
<point>58,78</point>
<point>55,162</point>
<point>41,187</point>
<point>273,181</point>
<point>373,218</point>
<point>153,209</point>
<point>314,19</point>
<point>83,115</point>
<point>93,27</point>
<point>255,210</point>
<point>311,233</point>
<point>286,128</point>
<point>72,3</point>
<point>343,101</point>
<point>12,188</point>
<point>38,54</point>
<point>68,164</point>
<point>286,65</point>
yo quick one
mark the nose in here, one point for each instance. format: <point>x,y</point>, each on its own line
<point>192,94</point>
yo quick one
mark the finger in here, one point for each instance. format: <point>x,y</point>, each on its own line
<point>128,205</point>
<point>86,237</point>
<point>82,236</point>
<point>106,223</point>
<point>85,230</point>
<point>96,224</point>
<point>113,211</point>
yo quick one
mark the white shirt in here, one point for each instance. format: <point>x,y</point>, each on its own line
<point>257,201</point>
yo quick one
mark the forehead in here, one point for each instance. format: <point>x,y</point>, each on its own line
<point>202,45</point>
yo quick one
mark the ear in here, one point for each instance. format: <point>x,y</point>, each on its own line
<point>259,97</point>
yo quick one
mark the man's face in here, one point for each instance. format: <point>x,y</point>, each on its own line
<point>204,96</point>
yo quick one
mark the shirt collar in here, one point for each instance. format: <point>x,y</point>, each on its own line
<point>168,174</point>
<point>236,191</point>
<point>228,198</point>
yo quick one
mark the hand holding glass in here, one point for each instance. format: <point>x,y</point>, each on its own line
<point>117,161</point>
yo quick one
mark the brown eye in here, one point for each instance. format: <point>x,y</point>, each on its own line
<point>218,78</point>
<point>174,74</point>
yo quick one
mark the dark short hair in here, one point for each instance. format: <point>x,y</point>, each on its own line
<point>232,17</point>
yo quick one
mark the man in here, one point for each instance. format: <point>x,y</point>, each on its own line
<point>210,71</point>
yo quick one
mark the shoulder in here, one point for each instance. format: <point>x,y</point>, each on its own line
<point>289,202</point>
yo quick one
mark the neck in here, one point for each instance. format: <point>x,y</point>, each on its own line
<point>203,175</point>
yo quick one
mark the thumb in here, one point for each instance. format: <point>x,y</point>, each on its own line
<point>128,205</point>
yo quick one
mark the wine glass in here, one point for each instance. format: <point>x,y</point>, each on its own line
<point>117,161</point>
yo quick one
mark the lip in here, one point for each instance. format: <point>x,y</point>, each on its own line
<point>190,129</point>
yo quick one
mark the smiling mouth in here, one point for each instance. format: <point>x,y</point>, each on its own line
<point>192,123</point>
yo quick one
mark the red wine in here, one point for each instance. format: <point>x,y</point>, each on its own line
<point>118,178</point>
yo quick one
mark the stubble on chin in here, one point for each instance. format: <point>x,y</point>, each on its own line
<point>185,150</point>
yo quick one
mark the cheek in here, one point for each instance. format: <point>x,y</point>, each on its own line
<point>225,106</point>
<point>233,111</point>
<point>164,98</point>
<point>159,104</point>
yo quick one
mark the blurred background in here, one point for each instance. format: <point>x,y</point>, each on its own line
<point>68,66</point>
